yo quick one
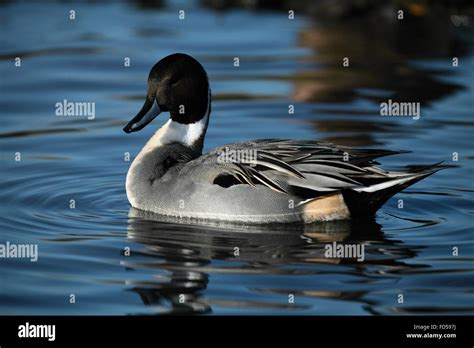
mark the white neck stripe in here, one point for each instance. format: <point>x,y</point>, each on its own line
<point>186,134</point>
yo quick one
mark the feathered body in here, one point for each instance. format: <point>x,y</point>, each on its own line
<point>283,181</point>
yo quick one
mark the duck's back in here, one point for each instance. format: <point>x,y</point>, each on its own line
<point>267,181</point>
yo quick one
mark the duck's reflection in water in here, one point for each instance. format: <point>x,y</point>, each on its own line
<point>183,256</point>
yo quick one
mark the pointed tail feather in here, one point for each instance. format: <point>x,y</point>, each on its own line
<point>367,200</point>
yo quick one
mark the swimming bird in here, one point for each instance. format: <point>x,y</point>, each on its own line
<point>260,181</point>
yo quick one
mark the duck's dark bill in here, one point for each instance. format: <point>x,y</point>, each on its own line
<point>149,111</point>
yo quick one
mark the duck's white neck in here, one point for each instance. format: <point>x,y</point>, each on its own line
<point>174,132</point>
<point>190,135</point>
<point>144,165</point>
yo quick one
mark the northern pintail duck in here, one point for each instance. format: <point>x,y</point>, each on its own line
<point>260,181</point>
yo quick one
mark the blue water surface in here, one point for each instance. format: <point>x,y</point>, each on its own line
<point>183,268</point>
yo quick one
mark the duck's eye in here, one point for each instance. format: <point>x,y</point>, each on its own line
<point>174,81</point>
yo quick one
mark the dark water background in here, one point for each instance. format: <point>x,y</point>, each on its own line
<point>81,250</point>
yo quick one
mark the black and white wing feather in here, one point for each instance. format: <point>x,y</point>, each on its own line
<point>307,170</point>
<point>297,167</point>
